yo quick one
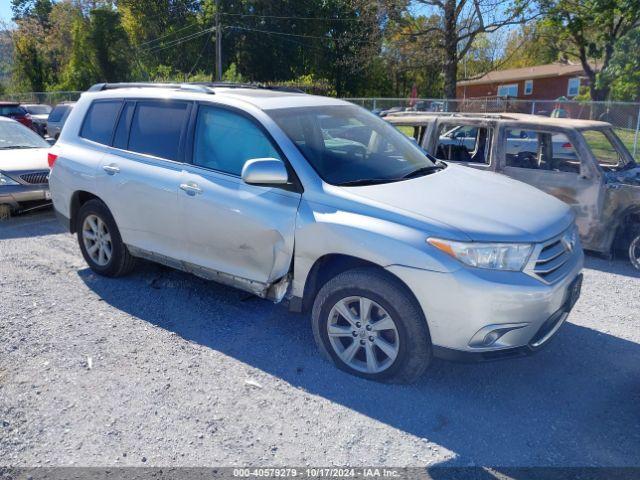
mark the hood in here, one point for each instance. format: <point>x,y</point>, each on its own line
<point>40,118</point>
<point>23,159</point>
<point>485,206</point>
<point>626,177</point>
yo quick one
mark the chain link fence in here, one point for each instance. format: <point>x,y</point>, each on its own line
<point>49,98</point>
<point>624,116</point>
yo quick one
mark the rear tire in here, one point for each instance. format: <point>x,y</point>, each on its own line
<point>390,342</point>
<point>100,241</point>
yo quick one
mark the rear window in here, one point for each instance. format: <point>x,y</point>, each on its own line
<point>100,120</point>
<point>156,128</point>
<point>57,113</point>
<point>6,110</point>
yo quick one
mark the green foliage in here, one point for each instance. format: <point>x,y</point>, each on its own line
<point>231,74</point>
<point>337,47</point>
<point>590,31</point>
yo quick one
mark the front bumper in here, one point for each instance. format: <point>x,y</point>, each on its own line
<point>462,304</point>
<point>16,195</point>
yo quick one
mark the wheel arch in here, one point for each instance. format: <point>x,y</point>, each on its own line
<point>328,266</point>
<point>626,221</point>
<point>78,199</point>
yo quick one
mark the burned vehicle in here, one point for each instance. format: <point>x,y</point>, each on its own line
<point>582,162</point>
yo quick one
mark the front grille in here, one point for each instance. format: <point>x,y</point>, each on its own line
<point>36,178</point>
<point>550,261</point>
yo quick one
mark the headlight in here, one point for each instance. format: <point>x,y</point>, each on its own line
<point>495,256</point>
<point>5,181</point>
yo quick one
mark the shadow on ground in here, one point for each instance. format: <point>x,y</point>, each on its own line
<point>32,224</point>
<point>576,403</point>
<point>620,266</point>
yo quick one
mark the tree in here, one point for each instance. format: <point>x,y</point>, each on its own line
<point>30,67</point>
<point>35,9</point>
<point>624,71</point>
<point>108,44</point>
<point>590,30</point>
<point>462,21</point>
<point>534,44</point>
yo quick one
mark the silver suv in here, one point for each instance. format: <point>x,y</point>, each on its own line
<point>398,256</point>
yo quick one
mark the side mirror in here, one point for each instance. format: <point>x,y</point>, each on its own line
<point>264,171</point>
<point>50,141</point>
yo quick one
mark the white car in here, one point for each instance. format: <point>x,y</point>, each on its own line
<point>24,168</point>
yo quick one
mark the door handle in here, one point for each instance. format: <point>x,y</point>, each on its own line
<point>111,169</point>
<point>191,188</point>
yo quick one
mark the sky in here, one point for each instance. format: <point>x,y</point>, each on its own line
<point>5,11</point>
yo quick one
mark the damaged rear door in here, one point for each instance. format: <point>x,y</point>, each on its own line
<point>237,233</point>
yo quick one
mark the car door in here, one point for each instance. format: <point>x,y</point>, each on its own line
<point>464,143</point>
<point>139,176</point>
<point>557,171</point>
<point>243,230</point>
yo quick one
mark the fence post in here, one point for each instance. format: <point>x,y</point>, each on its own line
<point>635,138</point>
<point>374,104</point>
<point>533,107</point>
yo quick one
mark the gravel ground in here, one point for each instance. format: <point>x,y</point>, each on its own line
<point>164,369</point>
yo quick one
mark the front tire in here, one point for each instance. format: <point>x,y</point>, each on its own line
<point>633,248</point>
<point>368,324</point>
<point>100,241</point>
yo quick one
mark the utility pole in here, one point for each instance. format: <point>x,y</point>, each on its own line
<point>218,43</point>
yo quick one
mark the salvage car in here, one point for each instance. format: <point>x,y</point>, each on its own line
<point>581,162</point>
<point>278,194</point>
<point>24,169</point>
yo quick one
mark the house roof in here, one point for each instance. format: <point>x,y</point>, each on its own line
<point>526,73</point>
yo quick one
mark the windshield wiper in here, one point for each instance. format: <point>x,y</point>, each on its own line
<point>425,170</point>
<point>16,147</point>
<point>365,181</point>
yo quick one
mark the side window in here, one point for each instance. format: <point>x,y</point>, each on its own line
<point>602,148</point>
<point>100,120</point>
<point>156,128</point>
<point>463,143</point>
<point>121,138</point>
<point>537,150</point>
<point>225,140</point>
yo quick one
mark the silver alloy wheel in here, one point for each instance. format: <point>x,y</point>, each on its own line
<point>363,334</point>
<point>634,252</point>
<point>97,240</point>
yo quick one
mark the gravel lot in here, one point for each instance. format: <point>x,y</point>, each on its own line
<point>164,369</point>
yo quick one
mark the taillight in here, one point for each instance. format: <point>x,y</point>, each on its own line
<point>567,145</point>
<point>51,159</point>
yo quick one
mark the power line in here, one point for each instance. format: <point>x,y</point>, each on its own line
<point>178,41</point>
<point>324,37</point>
<point>167,35</point>
<point>285,39</point>
<point>204,47</point>
<point>294,18</point>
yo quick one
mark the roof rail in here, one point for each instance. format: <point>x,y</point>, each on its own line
<point>197,87</point>
<point>202,87</point>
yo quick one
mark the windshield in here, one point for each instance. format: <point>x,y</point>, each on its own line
<point>38,109</point>
<point>14,135</point>
<point>347,145</point>
<point>608,149</point>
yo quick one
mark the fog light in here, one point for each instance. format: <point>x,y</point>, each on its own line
<point>489,335</point>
